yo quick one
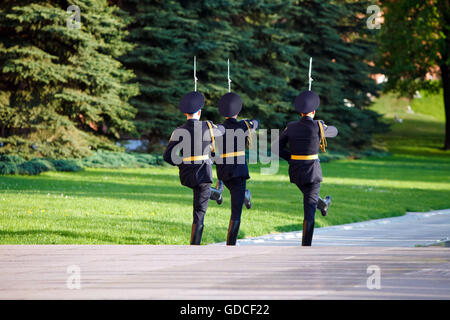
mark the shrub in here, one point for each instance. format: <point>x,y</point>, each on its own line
<point>17,165</point>
<point>330,156</point>
<point>12,159</point>
<point>35,166</point>
<point>66,165</point>
<point>107,159</point>
<point>12,164</point>
<point>375,153</point>
<point>8,168</point>
<point>9,164</point>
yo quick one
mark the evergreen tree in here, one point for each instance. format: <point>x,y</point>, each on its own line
<point>161,62</point>
<point>267,61</point>
<point>62,90</point>
<point>244,32</point>
<point>170,33</point>
<point>335,35</point>
<point>269,43</point>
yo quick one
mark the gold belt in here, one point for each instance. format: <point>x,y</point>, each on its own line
<point>233,154</point>
<point>196,158</point>
<point>304,157</point>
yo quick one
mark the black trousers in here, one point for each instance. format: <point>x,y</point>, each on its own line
<point>310,199</point>
<point>237,191</point>
<point>201,197</point>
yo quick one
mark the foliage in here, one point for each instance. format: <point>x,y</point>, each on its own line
<point>63,92</point>
<point>68,165</point>
<point>414,45</point>
<point>335,35</point>
<point>12,164</point>
<point>104,159</point>
<point>269,44</point>
<point>35,166</point>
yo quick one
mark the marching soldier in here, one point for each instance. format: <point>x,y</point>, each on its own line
<point>233,169</point>
<point>304,138</point>
<point>190,149</point>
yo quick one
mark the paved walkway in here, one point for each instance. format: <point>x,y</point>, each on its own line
<point>225,273</point>
<point>410,230</point>
<point>341,264</point>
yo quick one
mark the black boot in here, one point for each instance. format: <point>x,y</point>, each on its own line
<point>216,193</point>
<point>308,230</point>
<point>247,199</point>
<point>323,205</point>
<point>196,233</point>
<point>233,230</point>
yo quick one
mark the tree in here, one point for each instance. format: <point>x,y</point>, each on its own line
<point>269,43</point>
<point>169,34</point>
<point>415,40</point>
<point>63,92</point>
<point>335,35</point>
<point>161,62</point>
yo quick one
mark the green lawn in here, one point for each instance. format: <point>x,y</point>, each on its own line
<point>418,135</point>
<point>148,206</point>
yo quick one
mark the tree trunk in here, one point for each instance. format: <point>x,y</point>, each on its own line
<point>444,8</point>
<point>445,72</point>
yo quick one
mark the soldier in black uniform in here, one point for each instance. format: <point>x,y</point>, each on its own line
<point>233,169</point>
<point>190,149</point>
<point>305,137</point>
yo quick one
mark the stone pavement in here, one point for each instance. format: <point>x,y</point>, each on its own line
<point>410,230</point>
<point>221,272</point>
<point>341,264</point>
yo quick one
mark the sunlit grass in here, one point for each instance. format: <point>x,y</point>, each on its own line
<point>149,205</point>
<point>417,134</point>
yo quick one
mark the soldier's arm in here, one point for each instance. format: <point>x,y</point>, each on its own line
<point>168,152</point>
<point>283,152</point>
<point>254,124</point>
<point>329,131</point>
<point>219,130</point>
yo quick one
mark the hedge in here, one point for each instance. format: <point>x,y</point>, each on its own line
<point>12,164</point>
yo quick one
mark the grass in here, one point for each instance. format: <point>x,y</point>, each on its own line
<point>418,135</point>
<point>430,104</point>
<point>148,205</point>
